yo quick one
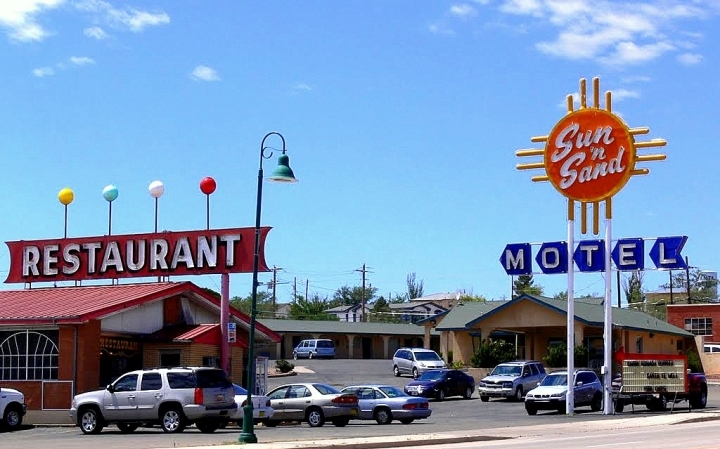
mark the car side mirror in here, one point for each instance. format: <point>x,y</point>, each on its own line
<point>579,383</point>
<point>110,388</point>
<point>538,384</point>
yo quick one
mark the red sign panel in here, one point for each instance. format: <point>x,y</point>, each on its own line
<point>136,255</point>
<point>589,155</point>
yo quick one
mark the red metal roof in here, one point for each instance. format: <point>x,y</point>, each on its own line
<point>67,305</point>
<point>199,333</point>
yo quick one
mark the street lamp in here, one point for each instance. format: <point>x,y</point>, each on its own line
<point>282,173</point>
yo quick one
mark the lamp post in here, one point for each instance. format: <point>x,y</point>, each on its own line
<point>282,173</point>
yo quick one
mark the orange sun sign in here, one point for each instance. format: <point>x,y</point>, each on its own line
<point>589,155</point>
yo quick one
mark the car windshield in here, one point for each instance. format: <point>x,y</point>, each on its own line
<point>393,392</point>
<point>554,379</point>
<point>239,391</point>
<point>326,389</point>
<point>432,375</point>
<point>427,356</point>
<point>506,370</point>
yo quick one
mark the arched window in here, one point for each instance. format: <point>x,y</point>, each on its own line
<point>29,355</point>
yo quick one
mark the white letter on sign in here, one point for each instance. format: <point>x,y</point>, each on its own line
<point>625,251</point>
<point>663,258</point>
<point>588,250</point>
<point>556,255</point>
<point>31,259</point>
<point>512,262</point>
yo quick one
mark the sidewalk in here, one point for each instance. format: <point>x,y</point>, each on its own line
<point>482,435</point>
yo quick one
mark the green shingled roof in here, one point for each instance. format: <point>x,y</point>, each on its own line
<point>590,312</point>
<point>343,327</point>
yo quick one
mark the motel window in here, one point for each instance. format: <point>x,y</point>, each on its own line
<point>699,326</point>
<point>169,359</point>
<point>29,355</point>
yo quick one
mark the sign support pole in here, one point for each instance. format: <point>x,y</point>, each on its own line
<point>607,334</point>
<point>570,396</point>
<point>224,320</point>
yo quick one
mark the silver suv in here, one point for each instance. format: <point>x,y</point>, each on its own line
<point>511,380</point>
<point>416,361</point>
<point>171,397</point>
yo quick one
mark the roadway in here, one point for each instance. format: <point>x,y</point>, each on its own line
<point>457,415</point>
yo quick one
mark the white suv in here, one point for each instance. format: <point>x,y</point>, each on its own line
<point>171,397</point>
<point>12,408</point>
<point>416,361</point>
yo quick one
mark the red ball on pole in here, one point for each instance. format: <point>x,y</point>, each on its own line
<point>208,185</point>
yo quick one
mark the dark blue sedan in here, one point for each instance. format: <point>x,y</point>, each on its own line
<point>442,383</point>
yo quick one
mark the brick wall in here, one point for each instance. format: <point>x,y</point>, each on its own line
<point>676,315</point>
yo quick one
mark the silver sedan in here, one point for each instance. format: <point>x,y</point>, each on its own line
<point>313,403</point>
<point>384,403</point>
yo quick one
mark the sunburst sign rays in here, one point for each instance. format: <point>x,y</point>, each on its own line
<point>590,155</point>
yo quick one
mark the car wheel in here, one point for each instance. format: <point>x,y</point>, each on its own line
<point>90,421</point>
<point>383,415</point>
<point>484,398</point>
<point>396,371</point>
<point>341,422</point>
<point>270,423</point>
<point>531,410</point>
<point>294,355</point>
<point>407,420</point>
<point>441,395</point>
<point>127,427</point>
<point>172,420</point>
<point>596,403</point>
<point>12,420</point>
<point>415,373</point>
<point>562,410</point>
<point>699,400</point>
<point>619,406</point>
<point>315,417</point>
<point>519,394</point>
<point>223,424</point>
<point>310,355</point>
<point>207,426</point>
<point>468,393</point>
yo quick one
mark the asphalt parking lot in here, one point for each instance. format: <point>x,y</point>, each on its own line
<point>453,414</point>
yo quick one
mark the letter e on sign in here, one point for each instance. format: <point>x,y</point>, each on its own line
<point>629,254</point>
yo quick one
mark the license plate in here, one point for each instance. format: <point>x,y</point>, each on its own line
<point>262,413</point>
<point>219,397</point>
<point>414,393</point>
<point>353,412</point>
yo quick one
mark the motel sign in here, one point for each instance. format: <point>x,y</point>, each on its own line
<point>589,256</point>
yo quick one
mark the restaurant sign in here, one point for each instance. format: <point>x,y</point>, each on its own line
<point>136,255</point>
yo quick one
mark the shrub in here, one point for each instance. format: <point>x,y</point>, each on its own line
<point>457,364</point>
<point>694,362</point>
<point>450,357</point>
<point>556,356</point>
<point>283,366</point>
<point>492,353</point>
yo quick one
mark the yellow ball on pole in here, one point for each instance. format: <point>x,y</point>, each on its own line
<point>66,196</point>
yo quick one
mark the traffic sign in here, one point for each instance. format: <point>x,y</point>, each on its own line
<point>553,258</point>
<point>665,253</point>
<point>513,259</point>
<point>590,255</point>
<point>629,254</point>
<point>232,332</point>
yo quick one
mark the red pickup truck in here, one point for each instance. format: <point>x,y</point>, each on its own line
<point>656,380</point>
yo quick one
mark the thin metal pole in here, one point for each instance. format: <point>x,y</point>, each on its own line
<point>156,214</point>
<point>66,221</point>
<point>207,212</point>
<point>224,321</point>
<point>570,396</point>
<point>607,334</point>
<point>110,218</point>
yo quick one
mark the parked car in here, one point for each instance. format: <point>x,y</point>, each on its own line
<point>416,361</point>
<point>385,403</point>
<point>171,397</point>
<point>262,408</point>
<point>511,380</point>
<point>551,392</point>
<point>442,383</point>
<point>12,408</point>
<point>313,403</point>
<point>315,348</point>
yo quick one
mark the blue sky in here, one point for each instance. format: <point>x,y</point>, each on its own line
<point>401,119</point>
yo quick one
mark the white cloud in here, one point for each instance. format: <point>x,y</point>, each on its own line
<point>133,19</point>
<point>690,58</point>
<point>462,10</point>
<point>204,73</point>
<point>42,72</point>
<point>95,33</point>
<point>302,86</point>
<point>621,94</point>
<point>19,17</point>
<point>437,28</point>
<point>81,60</point>
<point>632,53</point>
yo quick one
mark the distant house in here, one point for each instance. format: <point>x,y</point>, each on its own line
<point>352,313</point>
<point>445,300</point>
<point>412,312</point>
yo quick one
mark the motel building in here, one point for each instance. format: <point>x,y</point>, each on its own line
<point>56,342</point>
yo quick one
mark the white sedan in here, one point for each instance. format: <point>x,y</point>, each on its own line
<point>262,409</point>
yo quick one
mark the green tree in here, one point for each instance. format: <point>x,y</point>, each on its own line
<point>563,296</point>
<point>310,309</point>
<point>524,284</point>
<point>469,297</point>
<point>414,288</point>
<point>350,296</point>
<point>703,288</point>
<point>263,305</point>
<point>634,293</point>
<point>379,312</point>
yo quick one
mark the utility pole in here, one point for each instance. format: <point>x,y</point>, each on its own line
<point>363,270</point>
<point>687,278</point>
<point>618,291</point>
<point>295,289</point>
<point>307,286</point>
<point>671,285</point>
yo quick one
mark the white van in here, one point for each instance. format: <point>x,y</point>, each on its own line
<point>315,348</point>
<point>711,348</point>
